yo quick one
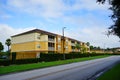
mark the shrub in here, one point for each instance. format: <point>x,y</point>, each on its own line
<point>47,58</point>
<point>4,62</point>
<point>26,61</point>
<point>50,57</point>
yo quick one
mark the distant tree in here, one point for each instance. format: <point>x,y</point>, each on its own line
<point>113,50</point>
<point>115,8</point>
<point>88,44</point>
<point>95,48</point>
<point>1,47</point>
<point>8,43</point>
<point>108,49</point>
<point>98,48</point>
<point>91,47</point>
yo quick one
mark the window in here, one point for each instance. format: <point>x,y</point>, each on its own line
<point>38,37</point>
<point>38,46</point>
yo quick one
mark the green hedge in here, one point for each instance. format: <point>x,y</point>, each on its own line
<point>5,62</point>
<point>26,61</point>
<point>54,57</point>
<point>46,58</point>
<point>22,61</point>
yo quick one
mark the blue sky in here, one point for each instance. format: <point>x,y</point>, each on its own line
<point>85,20</point>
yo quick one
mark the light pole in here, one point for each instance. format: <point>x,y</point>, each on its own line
<point>63,42</point>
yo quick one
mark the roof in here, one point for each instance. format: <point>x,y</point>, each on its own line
<point>43,32</point>
<point>74,40</point>
<point>35,30</point>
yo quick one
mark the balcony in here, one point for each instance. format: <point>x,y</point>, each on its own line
<point>51,48</point>
<point>72,44</point>
<point>51,40</point>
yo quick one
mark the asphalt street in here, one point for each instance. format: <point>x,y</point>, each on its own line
<point>85,70</point>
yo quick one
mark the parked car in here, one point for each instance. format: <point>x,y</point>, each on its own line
<point>4,57</point>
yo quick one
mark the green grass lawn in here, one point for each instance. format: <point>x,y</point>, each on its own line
<point>24,67</point>
<point>112,74</point>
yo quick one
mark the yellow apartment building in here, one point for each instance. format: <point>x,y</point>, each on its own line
<point>31,43</point>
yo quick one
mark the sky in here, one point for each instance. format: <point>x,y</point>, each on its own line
<point>85,20</point>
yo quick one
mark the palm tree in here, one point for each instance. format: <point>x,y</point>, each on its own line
<point>1,46</point>
<point>8,43</point>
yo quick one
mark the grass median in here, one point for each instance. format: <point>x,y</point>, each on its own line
<point>25,67</point>
<point>112,74</point>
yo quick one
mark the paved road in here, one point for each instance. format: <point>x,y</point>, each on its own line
<point>75,71</point>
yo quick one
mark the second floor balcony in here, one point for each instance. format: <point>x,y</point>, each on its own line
<point>51,48</point>
<point>72,44</point>
<point>50,39</point>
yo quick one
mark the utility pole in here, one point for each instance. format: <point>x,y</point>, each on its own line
<point>63,42</point>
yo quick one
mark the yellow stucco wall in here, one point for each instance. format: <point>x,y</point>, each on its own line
<point>43,45</point>
<point>27,46</point>
<point>69,46</point>
<point>25,55</point>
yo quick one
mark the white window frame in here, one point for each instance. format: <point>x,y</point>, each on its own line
<point>38,45</point>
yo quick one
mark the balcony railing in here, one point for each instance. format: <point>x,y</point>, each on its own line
<point>51,40</point>
<point>51,48</point>
<point>72,44</point>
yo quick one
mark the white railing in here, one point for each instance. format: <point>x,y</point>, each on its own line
<point>51,48</point>
<point>72,44</point>
<point>51,40</point>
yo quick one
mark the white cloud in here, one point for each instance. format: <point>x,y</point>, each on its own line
<point>52,8</point>
<point>95,35</point>
<point>88,27</point>
<point>7,31</point>
<point>46,8</point>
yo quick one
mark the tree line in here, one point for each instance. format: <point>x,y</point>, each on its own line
<point>8,43</point>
